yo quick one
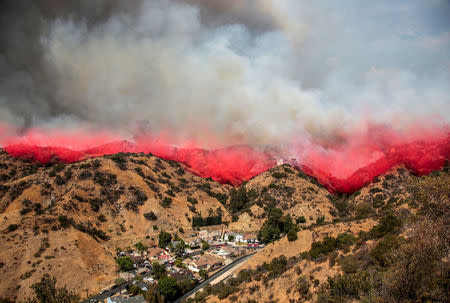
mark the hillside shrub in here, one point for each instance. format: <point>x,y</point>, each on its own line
<point>92,231</point>
<point>222,198</point>
<point>240,199</point>
<point>349,264</point>
<point>381,252</point>
<point>105,179</point>
<point>363,210</point>
<point>64,221</point>
<point>199,221</point>
<point>389,224</point>
<point>140,247</point>
<point>320,220</point>
<point>13,227</point>
<point>279,175</point>
<point>96,203</point>
<point>300,220</point>
<point>292,234</point>
<point>166,202</point>
<point>46,291</point>
<point>101,218</point>
<point>121,160</point>
<point>150,216</point>
<point>302,285</point>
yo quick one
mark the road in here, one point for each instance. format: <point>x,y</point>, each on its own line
<point>217,275</point>
<point>113,291</point>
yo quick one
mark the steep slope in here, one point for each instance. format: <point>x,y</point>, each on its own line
<point>289,189</point>
<point>393,249</point>
<point>69,219</point>
<point>80,213</point>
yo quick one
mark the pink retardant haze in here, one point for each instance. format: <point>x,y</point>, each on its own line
<point>342,167</point>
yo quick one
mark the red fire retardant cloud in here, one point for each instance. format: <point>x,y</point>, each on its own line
<point>344,167</point>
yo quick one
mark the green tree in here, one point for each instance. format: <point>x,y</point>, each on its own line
<point>287,223</point>
<point>292,234</point>
<point>140,247</point>
<point>158,269</point>
<point>133,289</point>
<point>205,245</point>
<point>203,274</point>
<point>239,199</point>
<point>169,288</point>
<point>186,285</point>
<point>46,291</point>
<point>274,217</point>
<point>180,247</point>
<point>125,263</point>
<point>300,220</point>
<point>153,295</point>
<point>268,233</point>
<point>164,239</point>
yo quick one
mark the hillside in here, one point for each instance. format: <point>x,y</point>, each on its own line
<point>68,220</point>
<point>103,201</point>
<point>85,210</point>
<point>388,248</point>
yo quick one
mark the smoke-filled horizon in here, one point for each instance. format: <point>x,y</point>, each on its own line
<point>312,81</point>
<point>254,71</point>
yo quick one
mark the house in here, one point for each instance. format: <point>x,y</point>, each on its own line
<point>222,252</point>
<point>210,234</point>
<point>192,252</point>
<point>164,259</point>
<point>250,239</point>
<point>138,260</point>
<point>154,252</point>
<point>239,238</point>
<point>234,251</point>
<point>141,285</point>
<point>120,299</point>
<point>192,241</point>
<point>181,274</point>
<point>230,236</point>
<point>149,280</point>
<point>206,262</point>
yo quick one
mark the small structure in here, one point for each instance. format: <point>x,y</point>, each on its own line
<point>156,253</point>
<point>250,239</point>
<point>222,252</point>
<point>181,274</point>
<point>138,260</point>
<point>206,262</point>
<point>120,299</point>
<point>192,241</point>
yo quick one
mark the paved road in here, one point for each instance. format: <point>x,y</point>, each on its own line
<point>113,291</point>
<point>214,277</point>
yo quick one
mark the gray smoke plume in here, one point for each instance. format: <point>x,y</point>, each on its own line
<point>253,71</point>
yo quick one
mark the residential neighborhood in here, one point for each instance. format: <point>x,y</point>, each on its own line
<point>187,261</point>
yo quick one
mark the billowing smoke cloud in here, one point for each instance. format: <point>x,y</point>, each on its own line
<point>264,72</point>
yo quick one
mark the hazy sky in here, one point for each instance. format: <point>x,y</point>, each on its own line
<point>257,71</point>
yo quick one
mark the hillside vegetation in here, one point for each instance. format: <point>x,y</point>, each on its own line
<point>393,248</point>
<point>67,220</point>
